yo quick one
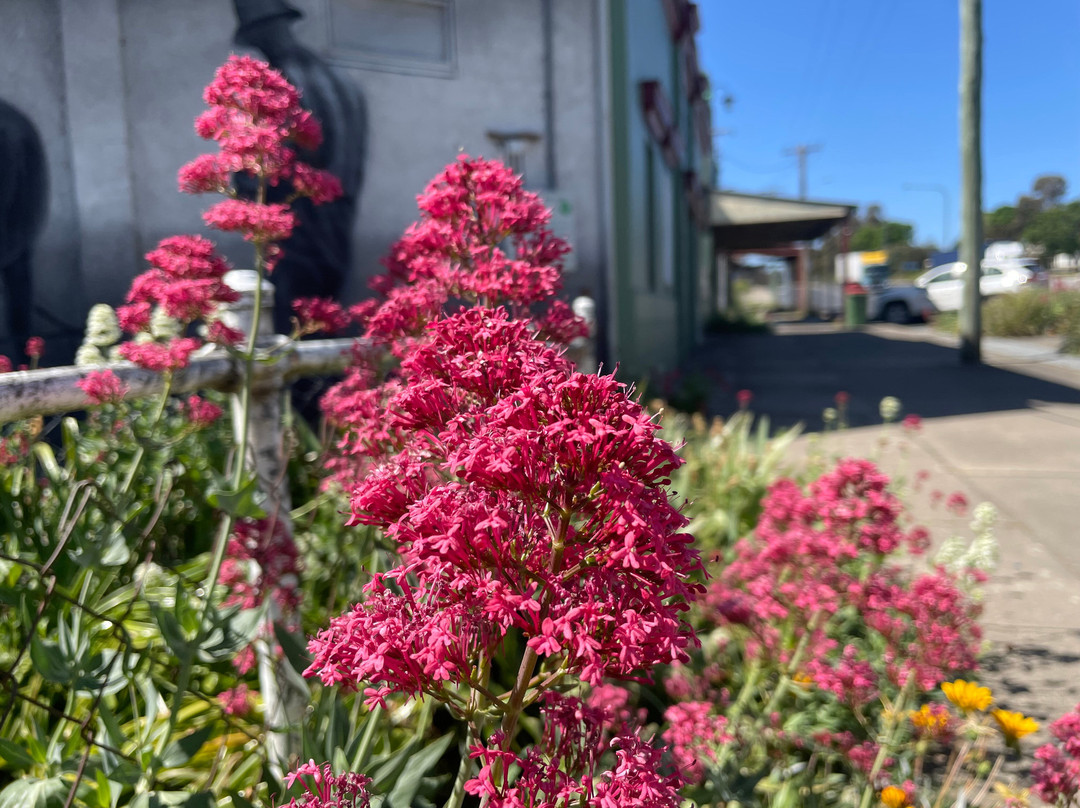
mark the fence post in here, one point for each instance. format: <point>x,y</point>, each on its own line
<point>583,349</point>
<point>284,696</point>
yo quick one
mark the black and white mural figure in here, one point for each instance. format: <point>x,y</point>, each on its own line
<point>24,201</point>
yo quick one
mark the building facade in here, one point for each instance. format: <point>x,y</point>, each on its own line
<point>554,87</point>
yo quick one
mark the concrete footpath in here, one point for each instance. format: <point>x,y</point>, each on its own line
<point>1006,432</point>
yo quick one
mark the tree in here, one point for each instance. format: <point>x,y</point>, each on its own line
<point>1049,189</point>
<point>879,235</point>
<point>1000,224</point>
<point>897,233</point>
<point>1056,230</point>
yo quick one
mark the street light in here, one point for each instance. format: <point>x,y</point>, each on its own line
<point>938,189</point>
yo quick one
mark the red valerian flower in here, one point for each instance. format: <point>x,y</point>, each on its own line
<point>235,701</point>
<point>5,364</point>
<point>1056,772</point>
<point>483,240</point>
<point>261,561</point>
<point>529,498</point>
<point>257,222</point>
<point>102,387</point>
<point>324,789</point>
<point>694,734</point>
<point>35,347</point>
<point>160,357</point>
<point>957,503</point>
<point>315,314</point>
<point>201,413</point>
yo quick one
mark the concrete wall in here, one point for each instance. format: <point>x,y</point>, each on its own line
<point>116,84</point>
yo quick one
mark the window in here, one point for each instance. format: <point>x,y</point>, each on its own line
<point>401,36</point>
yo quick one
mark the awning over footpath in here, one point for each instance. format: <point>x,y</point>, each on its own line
<point>746,221</point>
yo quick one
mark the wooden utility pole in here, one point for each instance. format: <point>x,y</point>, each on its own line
<point>801,151</point>
<point>971,215</point>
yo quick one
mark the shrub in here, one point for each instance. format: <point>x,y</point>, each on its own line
<point>1029,313</point>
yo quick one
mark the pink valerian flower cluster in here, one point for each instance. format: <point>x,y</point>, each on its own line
<point>694,734</point>
<point>5,364</point>
<point>1056,772</point>
<point>256,119</point>
<point>35,347</point>
<point>637,781</point>
<point>261,561</point>
<point>481,240</point>
<point>861,754</point>
<point>324,789</point>
<point>236,701</point>
<point>102,387</point>
<point>201,413</point>
<point>161,357</point>
<point>828,550</point>
<point>527,497</point>
<point>184,283</point>
<point>319,314</point>
<point>456,251</point>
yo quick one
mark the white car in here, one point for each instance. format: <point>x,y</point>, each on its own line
<point>898,304</point>
<point>945,284</point>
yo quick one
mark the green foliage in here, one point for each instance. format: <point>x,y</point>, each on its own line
<point>1056,230</point>
<point>1025,314</point>
<point>1033,312</point>
<point>879,235</point>
<point>729,467</point>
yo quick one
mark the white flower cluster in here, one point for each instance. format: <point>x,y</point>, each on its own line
<point>890,409</point>
<point>981,553</point>
<point>102,332</point>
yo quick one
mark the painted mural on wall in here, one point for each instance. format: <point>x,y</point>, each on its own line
<point>24,197</point>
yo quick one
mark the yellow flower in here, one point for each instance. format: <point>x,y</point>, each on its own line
<point>802,679</point>
<point>1014,726</point>
<point>893,797</point>
<point>930,720</point>
<point>967,696</point>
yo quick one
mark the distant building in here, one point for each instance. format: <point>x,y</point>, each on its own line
<point>600,103</point>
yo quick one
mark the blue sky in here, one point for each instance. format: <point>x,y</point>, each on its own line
<point>874,82</point>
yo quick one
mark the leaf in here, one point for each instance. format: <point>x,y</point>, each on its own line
<point>241,802</point>
<point>181,751</point>
<point>294,646</point>
<point>173,633</point>
<point>420,764</point>
<point>30,792</point>
<point>162,799</point>
<point>107,795</point>
<point>240,503</point>
<point>50,662</point>
<point>387,774</point>
<point>231,631</point>
<point>15,758</point>
<point>47,458</point>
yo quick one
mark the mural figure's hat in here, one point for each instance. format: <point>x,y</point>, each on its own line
<point>252,13</point>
